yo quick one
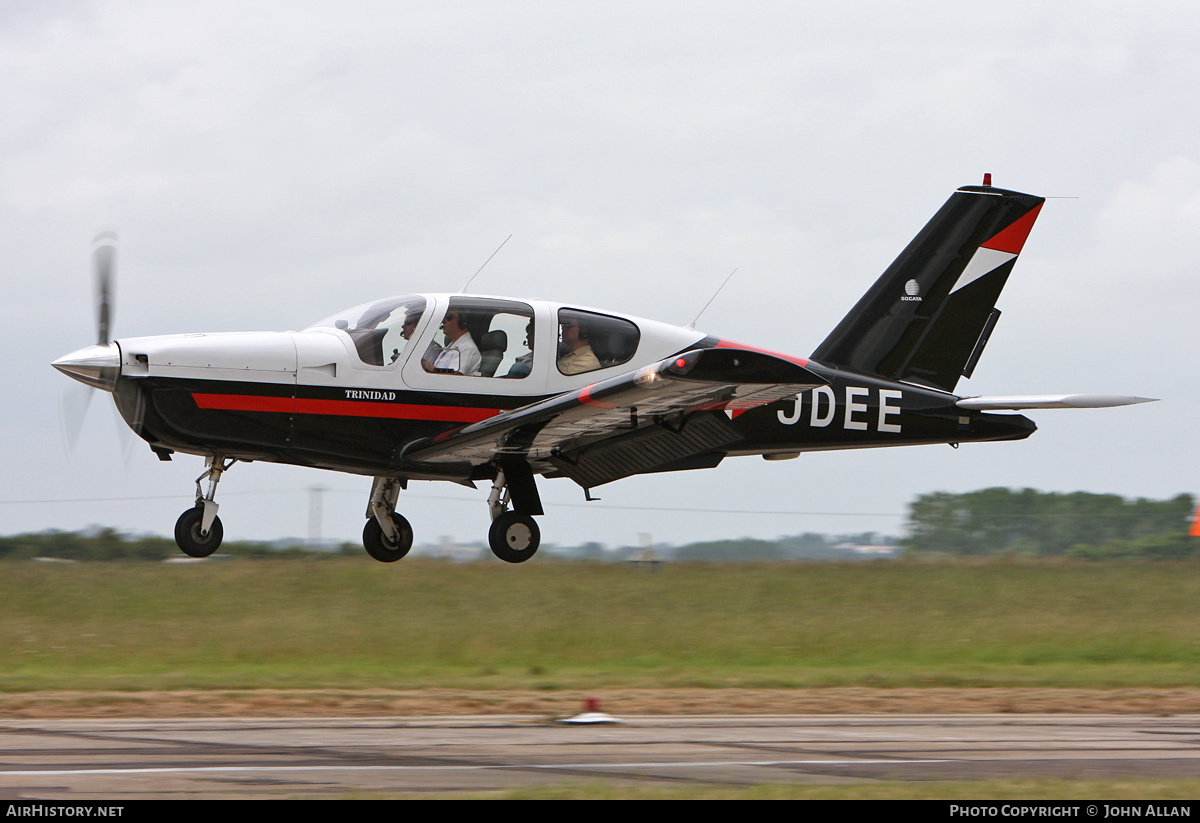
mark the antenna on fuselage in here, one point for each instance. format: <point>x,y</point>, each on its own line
<point>485,262</point>
<point>692,325</point>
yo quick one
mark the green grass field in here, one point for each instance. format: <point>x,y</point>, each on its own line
<point>352,623</point>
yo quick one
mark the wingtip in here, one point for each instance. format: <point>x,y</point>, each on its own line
<point>1101,401</point>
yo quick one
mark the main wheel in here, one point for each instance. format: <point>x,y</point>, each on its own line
<point>189,538</point>
<point>377,544</point>
<point>514,537</point>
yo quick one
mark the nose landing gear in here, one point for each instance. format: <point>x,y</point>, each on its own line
<point>198,531</point>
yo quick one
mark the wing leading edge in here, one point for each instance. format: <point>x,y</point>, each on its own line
<point>640,421</point>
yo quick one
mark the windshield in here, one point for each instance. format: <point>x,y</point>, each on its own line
<point>380,330</point>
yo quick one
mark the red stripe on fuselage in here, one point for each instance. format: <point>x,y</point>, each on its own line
<point>245,402</point>
<point>343,408</point>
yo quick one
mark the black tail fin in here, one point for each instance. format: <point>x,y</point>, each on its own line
<point>928,317</point>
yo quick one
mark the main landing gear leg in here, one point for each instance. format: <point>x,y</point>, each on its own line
<point>198,531</point>
<point>514,535</point>
<point>387,536</point>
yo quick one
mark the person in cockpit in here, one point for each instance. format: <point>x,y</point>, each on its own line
<point>524,364</point>
<point>454,325</point>
<point>579,356</point>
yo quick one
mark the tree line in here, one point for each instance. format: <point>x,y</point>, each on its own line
<point>990,522</point>
<point>1031,523</point>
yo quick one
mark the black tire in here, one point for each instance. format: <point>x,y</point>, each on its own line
<point>188,536</point>
<point>514,537</point>
<point>379,547</point>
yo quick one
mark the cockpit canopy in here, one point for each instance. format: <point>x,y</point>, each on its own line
<point>380,330</point>
<point>498,340</point>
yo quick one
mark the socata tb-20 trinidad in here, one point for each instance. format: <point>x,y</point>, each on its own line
<point>471,388</point>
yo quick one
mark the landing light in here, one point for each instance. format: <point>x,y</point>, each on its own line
<point>648,376</point>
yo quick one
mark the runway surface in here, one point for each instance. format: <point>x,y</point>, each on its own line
<point>124,759</point>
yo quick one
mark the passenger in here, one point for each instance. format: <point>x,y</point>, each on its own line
<point>579,356</point>
<point>524,364</point>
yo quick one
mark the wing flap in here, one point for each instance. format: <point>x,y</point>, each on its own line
<point>646,449</point>
<point>663,396</point>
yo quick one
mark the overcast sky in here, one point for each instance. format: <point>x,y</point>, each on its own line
<point>268,163</point>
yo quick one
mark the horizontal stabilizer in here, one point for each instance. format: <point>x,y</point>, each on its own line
<point>1050,401</point>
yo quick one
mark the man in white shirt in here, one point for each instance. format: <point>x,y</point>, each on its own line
<point>469,358</point>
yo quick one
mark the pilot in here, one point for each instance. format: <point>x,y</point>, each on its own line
<point>524,364</point>
<point>406,329</point>
<point>454,326</point>
<point>579,356</point>
<point>410,324</point>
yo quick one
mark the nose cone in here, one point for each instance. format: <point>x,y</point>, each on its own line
<point>98,366</point>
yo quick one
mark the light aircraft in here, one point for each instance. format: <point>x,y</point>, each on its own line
<point>471,388</point>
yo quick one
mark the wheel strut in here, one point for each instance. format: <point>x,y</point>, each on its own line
<point>385,491</point>
<point>215,466</point>
<point>387,536</point>
<point>498,499</point>
<point>198,531</point>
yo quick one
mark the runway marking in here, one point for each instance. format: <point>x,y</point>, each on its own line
<point>507,767</point>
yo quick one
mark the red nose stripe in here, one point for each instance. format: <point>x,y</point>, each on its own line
<point>245,402</point>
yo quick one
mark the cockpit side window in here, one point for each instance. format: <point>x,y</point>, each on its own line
<point>380,331</point>
<point>588,341</point>
<point>483,338</point>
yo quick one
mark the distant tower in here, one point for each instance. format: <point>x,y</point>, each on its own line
<point>314,516</point>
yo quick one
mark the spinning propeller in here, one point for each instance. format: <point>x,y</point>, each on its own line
<point>96,366</point>
<point>104,258</point>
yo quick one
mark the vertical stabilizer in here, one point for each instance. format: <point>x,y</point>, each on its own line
<point>928,316</point>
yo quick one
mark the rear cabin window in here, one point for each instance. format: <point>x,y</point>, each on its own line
<point>588,341</point>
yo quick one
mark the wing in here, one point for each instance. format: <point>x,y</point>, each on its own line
<point>640,421</point>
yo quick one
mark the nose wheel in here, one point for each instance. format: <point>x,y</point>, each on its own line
<point>198,531</point>
<point>190,537</point>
